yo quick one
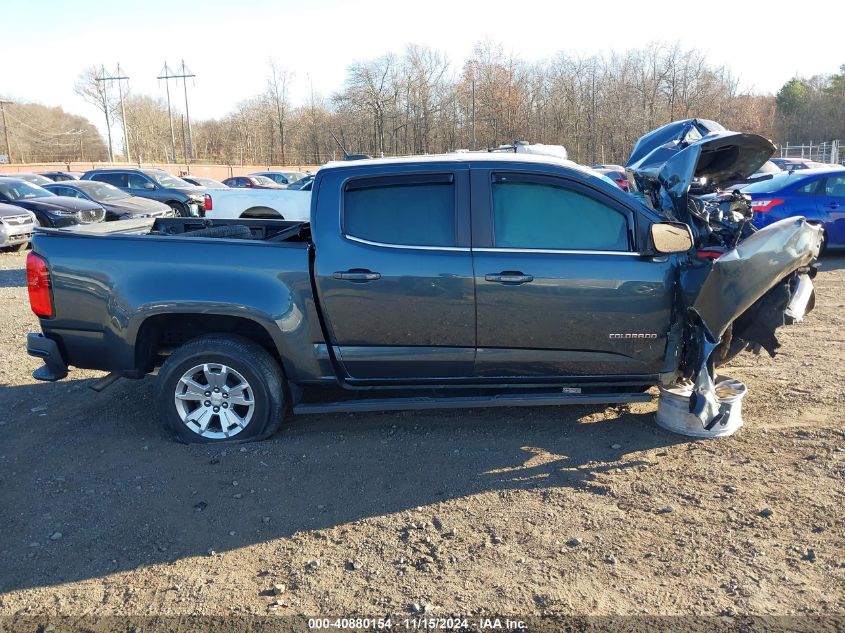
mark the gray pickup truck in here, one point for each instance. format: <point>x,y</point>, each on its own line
<point>459,280</point>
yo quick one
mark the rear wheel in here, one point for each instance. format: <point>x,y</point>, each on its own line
<point>220,388</point>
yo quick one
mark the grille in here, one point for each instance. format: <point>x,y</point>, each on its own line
<point>90,216</point>
<point>17,220</point>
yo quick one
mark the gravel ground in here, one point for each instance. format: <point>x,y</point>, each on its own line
<point>523,511</point>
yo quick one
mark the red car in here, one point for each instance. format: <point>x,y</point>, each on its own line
<point>252,182</point>
<point>617,176</point>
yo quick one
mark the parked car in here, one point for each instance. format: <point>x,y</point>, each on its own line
<point>234,202</point>
<point>202,181</point>
<point>252,182</point>
<point>303,184</point>
<point>49,209</point>
<point>185,199</point>
<point>35,179</point>
<point>816,194</point>
<point>118,204</point>
<point>59,176</point>
<point>280,177</point>
<point>791,164</point>
<point>411,287</point>
<point>16,227</point>
<point>617,176</point>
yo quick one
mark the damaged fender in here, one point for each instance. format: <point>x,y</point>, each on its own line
<point>754,289</point>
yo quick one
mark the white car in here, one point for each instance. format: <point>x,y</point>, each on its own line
<point>258,203</point>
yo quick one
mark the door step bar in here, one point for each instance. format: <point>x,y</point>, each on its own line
<point>469,402</point>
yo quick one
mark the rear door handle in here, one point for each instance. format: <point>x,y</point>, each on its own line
<point>509,277</point>
<point>833,205</point>
<point>357,274</point>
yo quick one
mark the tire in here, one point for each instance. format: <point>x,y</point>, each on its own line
<point>261,404</point>
<point>179,209</point>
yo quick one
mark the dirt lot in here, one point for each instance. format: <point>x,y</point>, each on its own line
<point>522,511</point>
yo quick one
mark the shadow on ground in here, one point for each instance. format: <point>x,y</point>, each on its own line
<point>13,278</point>
<point>99,469</point>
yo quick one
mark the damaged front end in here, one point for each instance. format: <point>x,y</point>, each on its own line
<point>738,284</point>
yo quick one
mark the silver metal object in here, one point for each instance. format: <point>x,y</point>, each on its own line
<point>214,401</point>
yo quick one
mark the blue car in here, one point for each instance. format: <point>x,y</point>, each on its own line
<point>817,194</point>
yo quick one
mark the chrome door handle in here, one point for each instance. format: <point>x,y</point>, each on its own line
<point>509,277</point>
<point>357,275</point>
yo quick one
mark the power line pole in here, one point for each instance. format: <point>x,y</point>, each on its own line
<point>106,109</point>
<point>119,79</point>
<point>184,74</point>
<point>166,76</point>
<point>3,105</point>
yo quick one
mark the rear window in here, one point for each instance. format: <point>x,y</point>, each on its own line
<point>775,183</point>
<point>413,211</point>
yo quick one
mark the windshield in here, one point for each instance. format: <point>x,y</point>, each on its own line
<point>769,168</point>
<point>102,192</point>
<point>22,190</point>
<point>263,180</point>
<point>166,180</point>
<point>776,182</point>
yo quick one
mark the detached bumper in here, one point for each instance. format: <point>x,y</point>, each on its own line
<point>55,367</point>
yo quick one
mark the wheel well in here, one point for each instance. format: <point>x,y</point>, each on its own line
<point>265,213</point>
<point>159,335</point>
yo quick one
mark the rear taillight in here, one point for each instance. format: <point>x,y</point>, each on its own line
<point>38,284</point>
<point>765,205</point>
<point>207,204</point>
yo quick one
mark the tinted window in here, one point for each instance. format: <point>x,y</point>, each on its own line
<point>835,186</point>
<point>118,180</point>
<point>414,212</point>
<point>546,216</point>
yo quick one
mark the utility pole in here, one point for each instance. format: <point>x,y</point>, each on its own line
<point>166,76</point>
<point>184,74</point>
<point>106,109</point>
<point>119,79</point>
<point>3,105</point>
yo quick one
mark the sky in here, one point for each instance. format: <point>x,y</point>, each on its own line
<point>228,44</point>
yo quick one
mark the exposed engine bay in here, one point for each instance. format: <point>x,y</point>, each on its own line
<point>741,283</point>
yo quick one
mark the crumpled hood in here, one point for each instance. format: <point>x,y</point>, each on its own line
<point>664,162</point>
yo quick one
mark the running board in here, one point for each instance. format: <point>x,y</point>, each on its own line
<point>469,402</point>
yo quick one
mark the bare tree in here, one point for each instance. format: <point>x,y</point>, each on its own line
<point>89,86</point>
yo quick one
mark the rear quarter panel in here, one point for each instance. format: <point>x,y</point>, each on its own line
<point>105,287</point>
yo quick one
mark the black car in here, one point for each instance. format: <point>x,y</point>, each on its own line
<point>49,209</point>
<point>59,176</point>
<point>118,204</point>
<point>35,179</point>
<point>202,181</point>
<point>185,199</point>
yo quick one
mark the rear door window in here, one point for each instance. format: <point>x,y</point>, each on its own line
<point>118,180</point>
<point>537,214</point>
<point>416,210</point>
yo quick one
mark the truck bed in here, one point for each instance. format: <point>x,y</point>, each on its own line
<point>115,285</point>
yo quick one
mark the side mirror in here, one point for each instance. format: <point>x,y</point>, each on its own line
<point>149,185</point>
<point>671,237</point>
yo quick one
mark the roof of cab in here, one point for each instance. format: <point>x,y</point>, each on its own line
<point>458,157</point>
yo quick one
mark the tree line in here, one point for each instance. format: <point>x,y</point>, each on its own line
<point>417,101</point>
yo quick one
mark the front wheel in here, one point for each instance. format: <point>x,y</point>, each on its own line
<point>179,209</point>
<point>220,388</point>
